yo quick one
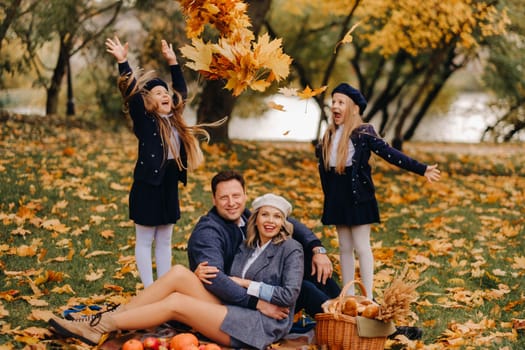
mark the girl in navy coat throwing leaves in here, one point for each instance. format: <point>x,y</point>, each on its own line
<point>167,148</point>
<point>346,179</point>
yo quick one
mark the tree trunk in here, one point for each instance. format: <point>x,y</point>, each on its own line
<point>217,102</point>
<point>10,15</point>
<point>53,91</point>
<point>447,68</point>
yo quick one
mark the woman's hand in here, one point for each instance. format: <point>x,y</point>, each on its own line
<point>119,51</point>
<point>205,272</point>
<point>168,53</point>
<point>432,173</point>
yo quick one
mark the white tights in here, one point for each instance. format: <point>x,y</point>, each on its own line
<point>145,235</point>
<point>356,238</point>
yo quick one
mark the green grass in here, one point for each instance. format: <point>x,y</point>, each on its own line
<point>63,197</point>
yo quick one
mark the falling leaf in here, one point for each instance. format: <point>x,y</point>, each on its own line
<point>348,36</point>
<point>308,92</point>
<point>276,106</point>
<point>288,92</point>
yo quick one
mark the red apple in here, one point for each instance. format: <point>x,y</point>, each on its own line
<point>151,343</point>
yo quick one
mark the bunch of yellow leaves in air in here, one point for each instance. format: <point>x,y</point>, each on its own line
<point>236,57</point>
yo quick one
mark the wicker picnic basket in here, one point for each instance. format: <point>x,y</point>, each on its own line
<point>339,331</point>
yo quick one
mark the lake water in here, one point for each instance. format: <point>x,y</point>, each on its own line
<point>467,118</point>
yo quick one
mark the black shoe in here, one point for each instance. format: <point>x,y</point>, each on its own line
<point>412,333</point>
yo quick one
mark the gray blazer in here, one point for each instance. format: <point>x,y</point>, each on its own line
<point>280,266</point>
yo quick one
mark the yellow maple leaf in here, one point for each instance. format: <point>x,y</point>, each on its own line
<point>25,212</point>
<point>96,219</point>
<point>25,250</point>
<point>259,85</point>
<point>55,225</point>
<point>59,205</point>
<point>95,275</point>
<point>199,55</point>
<point>270,55</point>
<point>308,92</point>
<point>27,340</point>
<point>107,234</point>
<point>64,289</point>
<point>519,262</point>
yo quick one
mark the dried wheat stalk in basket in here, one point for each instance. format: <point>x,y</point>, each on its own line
<point>397,299</point>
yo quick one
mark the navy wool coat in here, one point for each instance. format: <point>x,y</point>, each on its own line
<point>150,163</point>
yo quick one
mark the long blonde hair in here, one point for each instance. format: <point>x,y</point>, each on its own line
<point>188,134</point>
<point>352,120</point>
<point>252,233</point>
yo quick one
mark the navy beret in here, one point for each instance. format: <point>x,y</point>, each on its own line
<point>150,84</point>
<point>353,93</point>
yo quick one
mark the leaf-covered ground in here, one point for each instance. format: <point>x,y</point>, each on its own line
<point>66,237</point>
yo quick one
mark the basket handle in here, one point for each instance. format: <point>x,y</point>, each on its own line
<point>345,289</point>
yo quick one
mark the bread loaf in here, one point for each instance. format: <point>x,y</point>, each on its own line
<point>371,311</point>
<point>350,307</point>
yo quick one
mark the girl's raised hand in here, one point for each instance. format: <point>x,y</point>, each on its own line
<point>168,53</point>
<point>432,173</point>
<point>119,51</point>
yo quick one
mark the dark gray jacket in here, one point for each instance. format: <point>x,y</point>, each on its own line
<point>280,267</point>
<point>216,241</point>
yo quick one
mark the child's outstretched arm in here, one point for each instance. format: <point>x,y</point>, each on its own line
<point>119,51</point>
<point>432,173</point>
<point>168,53</point>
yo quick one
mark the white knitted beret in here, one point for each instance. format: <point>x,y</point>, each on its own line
<point>273,200</point>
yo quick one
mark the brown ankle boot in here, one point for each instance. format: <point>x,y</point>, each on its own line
<point>90,331</point>
<point>77,316</point>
